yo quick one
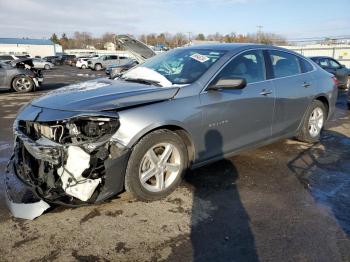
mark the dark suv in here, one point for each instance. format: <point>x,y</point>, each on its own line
<point>334,67</point>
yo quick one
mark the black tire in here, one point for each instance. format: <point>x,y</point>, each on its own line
<point>22,84</point>
<point>83,67</point>
<point>47,67</point>
<point>98,67</point>
<point>304,134</point>
<point>133,184</point>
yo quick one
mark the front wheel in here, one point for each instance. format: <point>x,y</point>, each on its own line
<point>83,67</point>
<point>47,67</point>
<point>22,84</point>
<point>313,123</point>
<point>156,165</point>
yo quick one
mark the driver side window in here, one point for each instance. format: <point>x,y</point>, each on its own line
<point>249,65</point>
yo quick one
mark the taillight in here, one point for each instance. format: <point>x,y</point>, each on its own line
<point>335,81</point>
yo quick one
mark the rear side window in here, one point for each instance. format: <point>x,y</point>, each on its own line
<point>113,57</point>
<point>284,64</point>
<point>305,65</point>
<point>249,65</point>
<point>334,64</point>
<point>323,62</point>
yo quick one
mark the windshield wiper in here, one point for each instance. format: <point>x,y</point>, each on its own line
<point>143,81</point>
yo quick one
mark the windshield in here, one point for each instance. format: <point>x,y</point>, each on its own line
<point>183,66</point>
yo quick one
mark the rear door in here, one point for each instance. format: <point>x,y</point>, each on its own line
<point>234,119</point>
<point>294,85</point>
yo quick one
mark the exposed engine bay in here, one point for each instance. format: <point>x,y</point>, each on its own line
<point>64,161</point>
<point>26,63</point>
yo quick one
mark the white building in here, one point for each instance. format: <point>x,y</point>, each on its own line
<point>33,47</point>
<point>109,46</point>
<point>341,52</point>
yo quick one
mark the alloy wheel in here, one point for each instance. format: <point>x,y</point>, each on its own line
<point>160,167</point>
<point>23,84</point>
<point>316,121</point>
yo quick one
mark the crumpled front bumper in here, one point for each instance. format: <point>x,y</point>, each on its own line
<point>20,199</point>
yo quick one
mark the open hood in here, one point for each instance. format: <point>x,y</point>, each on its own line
<point>103,94</point>
<point>137,48</point>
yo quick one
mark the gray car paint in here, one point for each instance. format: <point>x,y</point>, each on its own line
<point>243,118</point>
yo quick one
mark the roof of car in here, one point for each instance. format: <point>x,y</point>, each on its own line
<point>319,57</point>
<point>232,46</point>
<point>25,41</point>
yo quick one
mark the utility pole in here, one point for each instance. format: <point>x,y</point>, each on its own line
<point>189,37</point>
<point>260,27</point>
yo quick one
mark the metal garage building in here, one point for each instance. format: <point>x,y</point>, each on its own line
<point>33,47</point>
<point>341,52</point>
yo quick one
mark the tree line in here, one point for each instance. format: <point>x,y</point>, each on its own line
<point>82,40</point>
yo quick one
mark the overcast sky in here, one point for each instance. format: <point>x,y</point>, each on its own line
<point>293,19</point>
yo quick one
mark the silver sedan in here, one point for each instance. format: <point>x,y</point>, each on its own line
<point>42,64</point>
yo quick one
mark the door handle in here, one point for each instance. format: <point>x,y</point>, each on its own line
<point>265,92</point>
<point>306,85</point>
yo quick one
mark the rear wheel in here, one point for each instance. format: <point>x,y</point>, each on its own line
<point>98,67</point>
<point>22,84</point>
<point>83,67</point>
<point>47,67</point>
<point>156,165</point>
<point>313,123</point>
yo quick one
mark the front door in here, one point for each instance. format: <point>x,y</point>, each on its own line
<point>234,119</point>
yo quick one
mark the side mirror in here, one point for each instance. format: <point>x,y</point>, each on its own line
<point>229,83</point>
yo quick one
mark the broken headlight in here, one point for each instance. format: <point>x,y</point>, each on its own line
<point>98,127</point>
<point>78,130</point>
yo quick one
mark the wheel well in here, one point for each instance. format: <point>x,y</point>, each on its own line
<point>324,101</point>
<point>183,134</point>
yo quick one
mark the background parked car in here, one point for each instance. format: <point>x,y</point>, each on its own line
<point>42,64</point>
<point>52,59</point>
<point>6,58</point>
<point>103,62</point>
<point>334,67</point>
<point>82,62</point>
<point>20,75</point>
<point>68,60</point>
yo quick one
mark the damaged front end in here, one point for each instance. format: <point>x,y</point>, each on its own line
<point>71,161</point>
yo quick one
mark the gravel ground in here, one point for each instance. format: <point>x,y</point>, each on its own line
<point>288,201</point>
